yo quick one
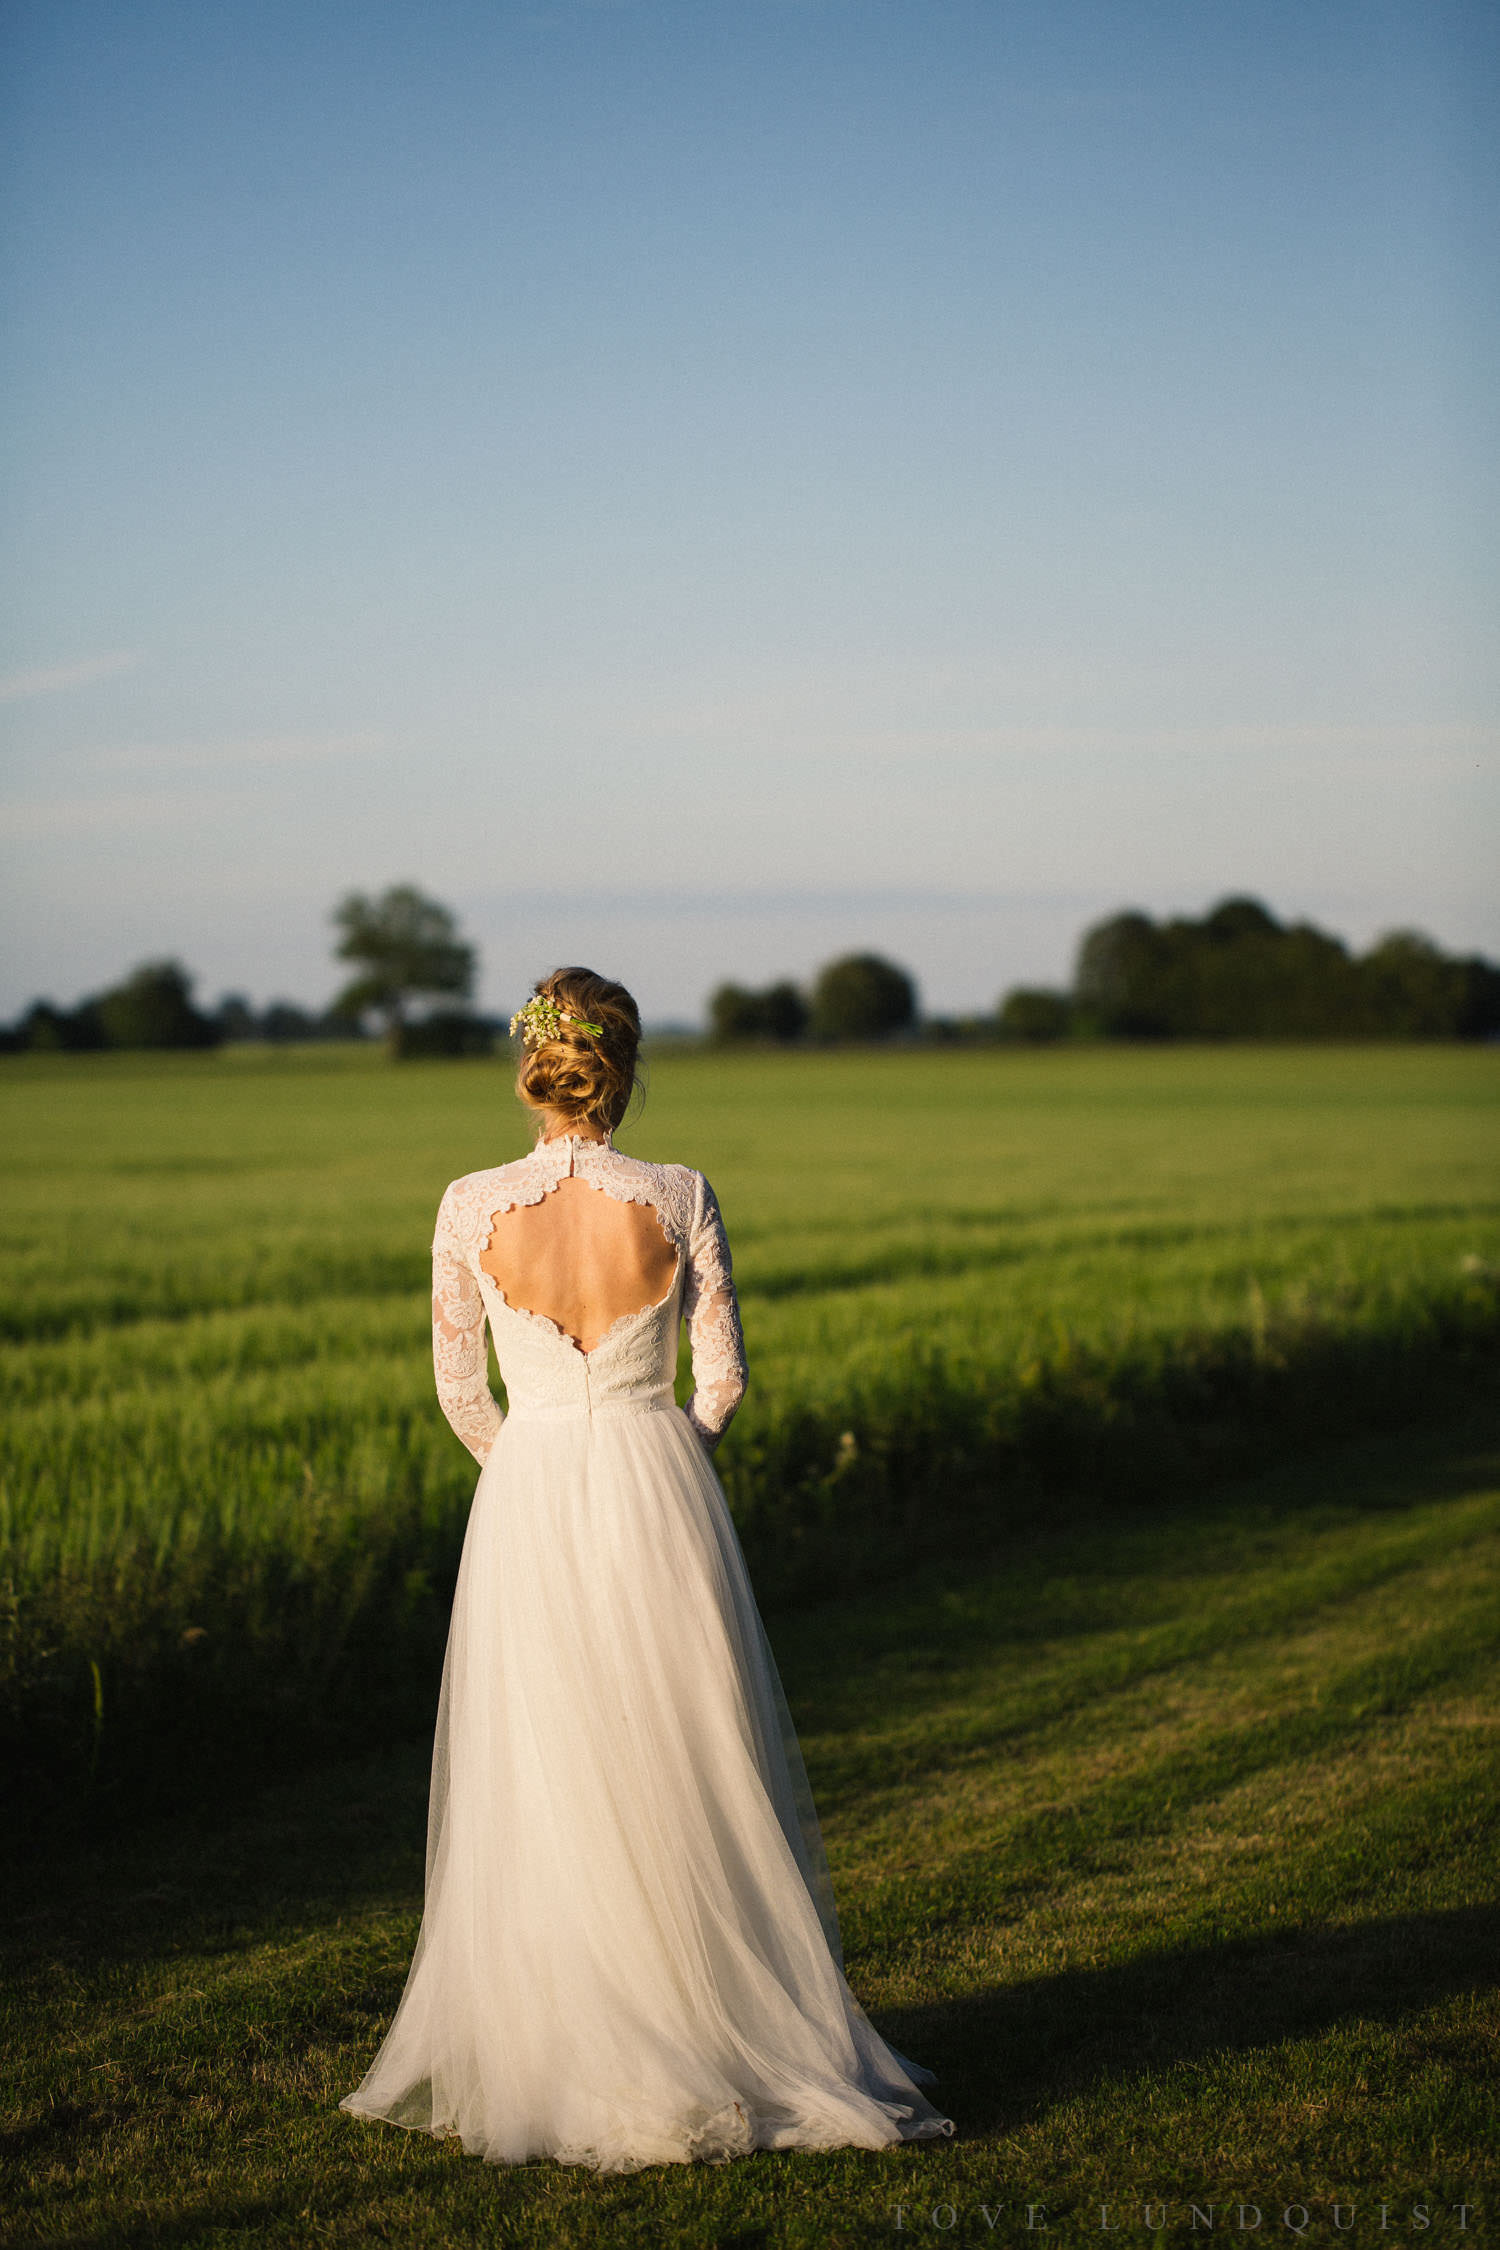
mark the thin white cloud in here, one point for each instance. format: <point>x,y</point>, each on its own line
<point>52,679</point>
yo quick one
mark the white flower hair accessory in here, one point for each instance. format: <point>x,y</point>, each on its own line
<point>542,1019</point>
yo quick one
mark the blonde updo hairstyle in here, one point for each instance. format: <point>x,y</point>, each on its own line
<point>576,1074</point>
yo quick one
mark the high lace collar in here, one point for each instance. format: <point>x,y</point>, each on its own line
<point>574,1140</point>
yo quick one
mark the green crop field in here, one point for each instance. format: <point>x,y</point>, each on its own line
<point>967,1278</point>
<point>1120,1470</point>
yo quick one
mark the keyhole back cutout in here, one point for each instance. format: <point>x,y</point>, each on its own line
<point>581,1259</point>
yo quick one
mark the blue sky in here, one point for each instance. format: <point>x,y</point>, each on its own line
<point>704,484</point>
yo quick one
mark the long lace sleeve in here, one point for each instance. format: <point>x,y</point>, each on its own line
<point>460,1361</point>
<point>713,1324</point>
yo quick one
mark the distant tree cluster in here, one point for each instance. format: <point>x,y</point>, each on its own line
<point>282,1022</point>
<point>780,1013</point>
<point>1235,973</point>
<point>154,1007</point>
<point>407,950</point>
<point>1239,973</point>
<point>1035,1015</point>
<point>859,996</point>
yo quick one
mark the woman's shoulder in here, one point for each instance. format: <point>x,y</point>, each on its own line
<point>645,1164</point>
<point>472,1199</point>
<point>673,1188</point>
<point>469,1185</point>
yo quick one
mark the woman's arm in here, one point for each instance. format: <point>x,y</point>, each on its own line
<point>713,1324</point>
<point>459,1359</point>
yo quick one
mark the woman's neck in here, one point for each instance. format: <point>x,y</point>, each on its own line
<point>557,1126</point>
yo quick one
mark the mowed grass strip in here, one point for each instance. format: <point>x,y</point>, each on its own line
<point>1170,1844</point>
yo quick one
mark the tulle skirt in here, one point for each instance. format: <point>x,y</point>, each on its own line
<point>629,1953</point>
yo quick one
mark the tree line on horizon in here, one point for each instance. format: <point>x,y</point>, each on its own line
<point>1239,973</point>
<point>405,946</point>
<point>1234,973</point>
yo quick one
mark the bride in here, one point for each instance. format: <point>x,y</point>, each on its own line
<point>629,1953</point>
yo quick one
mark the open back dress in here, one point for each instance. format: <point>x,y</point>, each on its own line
<point>629,1952</point>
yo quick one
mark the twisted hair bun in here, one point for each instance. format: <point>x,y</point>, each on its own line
<point>582,1076</point>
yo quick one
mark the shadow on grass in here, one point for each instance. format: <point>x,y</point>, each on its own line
<point>345,1842</point>
<point>350,1838</point>
<point>1025,1584</point>
<point>198,2222</point>
<point>1008,2055</point>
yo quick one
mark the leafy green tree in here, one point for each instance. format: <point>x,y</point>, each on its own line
<point>445,1035</point>
<point>779,1013</point>
<point>862,997</point>
<point>1239,973</point>
<point>734,1013</point>
<point>1479,1011</point>
<point>1414,991</point>
<point>1121,976</point>
<point>46,1029</point>
<point>236,1018</point>
<point>154,1008</point>
<point>408,948</point>
<point>1235,919</point>
<point>1035,1016</point>
<point>785,1011</point>
<point>285,1024</point>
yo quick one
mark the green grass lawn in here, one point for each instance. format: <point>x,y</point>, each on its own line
<point>1167,1838</point>
<point>224,1485</point>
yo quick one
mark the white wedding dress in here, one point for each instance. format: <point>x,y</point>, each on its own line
<point>629,1953</point>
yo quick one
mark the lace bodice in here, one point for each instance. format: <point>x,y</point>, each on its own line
<point>545,1372</point>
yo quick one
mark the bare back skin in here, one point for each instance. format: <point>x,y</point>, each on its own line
<point>580,1259</point>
